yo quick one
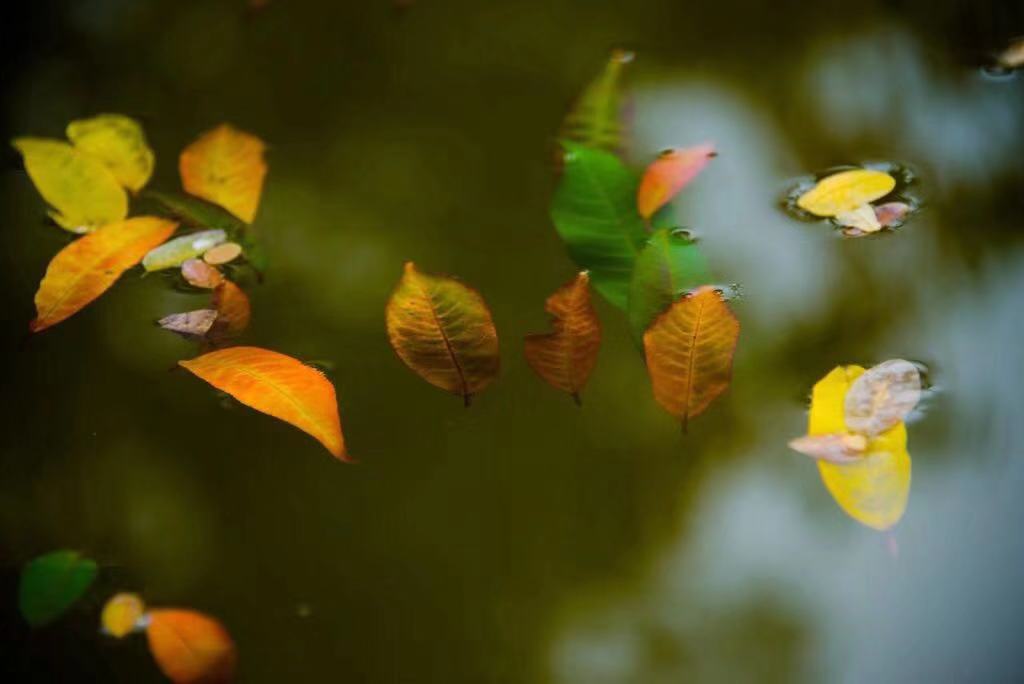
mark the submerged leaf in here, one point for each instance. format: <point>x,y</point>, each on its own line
<point>226,167</point>
<point>594,211</point>
<point>122,615</point>
<point>87,267</point>
<point>233,311</point>
<point>443,331</point>
<point>197,213</point>
<point>861,218</point>
<point>83,192</point>
<point>873,489</point>
<point>669,266</point>
<point>277,385</point>
<point>596,118</point>
<point>835,448</point>
<point>891,213</point>
<point>191,324</point>
<point>52,583</point>
<point>190,648</point>
<point>670,173</point>
<point>689,351</point>
<point>198,273</point>
<point>223,254</point>
<point>882,397</point>
<point>118,142</point>
<point>179,250</point>
<point>844,191</point>
<point>565,357</point>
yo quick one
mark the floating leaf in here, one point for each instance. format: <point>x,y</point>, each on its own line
<point>87,267</point>
<point>835,448</point>
<point>862,218</point>
<point>596,118</point>
<point>52,583</point>
<point>669,266</point>
<point>594,211</point>
<point>83,192</point>
<point>233,311</point>
<point>874,489</point>
<point>1013,56</point>
<point>191,648</point>
<point>226,167</point>
<point>198,273</point>
<point>891,213</point>
<point>191,324</point>
<point>119,143</point>
<point>882,397</point>
<point>443,331</point>
<point>179,250</point>
<point>122,615</point>
<point>565,357</point>
<point>668,174</point>
<point>844,191</point>
<point>197,213</point>
<point>277,385</point>
<point>223,254</point>
<point>689,351</point>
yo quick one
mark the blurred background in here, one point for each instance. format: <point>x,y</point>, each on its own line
<point>524,539</point>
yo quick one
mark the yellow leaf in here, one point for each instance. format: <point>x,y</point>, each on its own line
<point>845,191</point>
<point>277,385</point>
<point>121,614</point>
<point>191,648</point>
<point>87,267</point>
<point>225,166</point>
<point>874,489</point>
<point>118,142</point>
<point>689,350</point>
<point>565,357</point>
<point>443,331</point>
<point>83,192</point>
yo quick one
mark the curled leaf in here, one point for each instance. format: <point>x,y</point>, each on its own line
<point>565,357</point>
<point>190,648</point>
<point>122,615</point>
<point>119,142</point>
<point>225,166</point>
<point>443,331</point>
<point>179,250</point>
<point>844,191</point>
<point>873,489</point>
<point>52,583</point>
<point>882,397</point>
<point>835,448</point>
<point>233,311</point>
<point>191,324</point>
<point>669,266</point>
<point>198,273</point>
<point>596,120</point>
<point>689,351</point>
<point>83,192</point>
<point>223,254</point>
<point>669,174</point>
<point>862,218</point>
<point>277,385</point>
<point>594,212</point>
<point>87,267</point>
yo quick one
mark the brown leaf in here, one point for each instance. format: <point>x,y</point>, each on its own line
<point>191,324</point>
<point>198,273</point>
<point>882,397</point>
<point>837,447</point>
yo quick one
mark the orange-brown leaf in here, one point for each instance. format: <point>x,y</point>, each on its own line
<point>87,267</point>
<point>226,167</point>
<point>277,385</point>
<point>443,331</point>
<point>233,310</point>
<point>191,648</point>
<point>689,351</point>
<point>565,357</point>
<point>668,174</point>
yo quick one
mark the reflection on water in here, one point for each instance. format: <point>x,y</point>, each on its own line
<point>525,540</point>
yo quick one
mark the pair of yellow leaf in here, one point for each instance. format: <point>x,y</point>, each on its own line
<point>188,646</point>
<point>846,197</point>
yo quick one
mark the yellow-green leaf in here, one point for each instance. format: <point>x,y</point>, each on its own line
<point>122,615</point>
<point>119,142</point>
<point>845,191</point>
<point>83,192</point>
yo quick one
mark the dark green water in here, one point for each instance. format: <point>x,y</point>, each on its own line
<point>523,539</point>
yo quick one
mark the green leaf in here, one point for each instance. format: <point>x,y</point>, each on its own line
<point>594,211</point>
<point>596,118</point>
<point>51,583</point>
<point>669,265</point>
<point>197,213</point>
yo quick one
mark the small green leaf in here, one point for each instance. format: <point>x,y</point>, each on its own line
<point>594,211</point>
<point>197,213</point>
<point>51,583</point>
<point>596,118</point>
<point>669,265</point>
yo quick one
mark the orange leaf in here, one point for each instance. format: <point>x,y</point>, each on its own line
<point>226,167</point>
<point>565,357</point>
<point>668,174</point>
<point>443,331</point>
<point>689,352</point>
<point>191,648</point>
<point>87,267</point>
<point>277,385</point>
<point>233,310</point>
